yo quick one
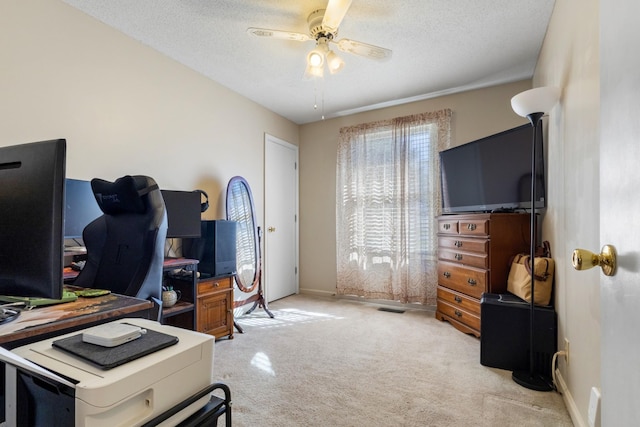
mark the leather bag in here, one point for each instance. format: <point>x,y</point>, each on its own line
<point>519,281</point>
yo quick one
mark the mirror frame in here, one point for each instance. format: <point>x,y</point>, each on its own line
<point>238,180</point>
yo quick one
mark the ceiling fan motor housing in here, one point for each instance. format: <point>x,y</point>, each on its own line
<point>316,29</point>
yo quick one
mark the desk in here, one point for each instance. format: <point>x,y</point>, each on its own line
<point>183,314</point>
<point>46,322</point>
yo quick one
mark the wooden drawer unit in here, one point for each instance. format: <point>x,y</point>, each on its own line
<point>214,306</point>
<point>467,280</point>
<point>473,258</point>
<point>459,300</point>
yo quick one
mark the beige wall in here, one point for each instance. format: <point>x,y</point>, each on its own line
<point>476,114</point>
<point>123,107</point>
<point>570,60</point>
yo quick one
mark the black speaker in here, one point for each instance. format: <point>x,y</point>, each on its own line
<point>504,334</point>
<point>215,249</point>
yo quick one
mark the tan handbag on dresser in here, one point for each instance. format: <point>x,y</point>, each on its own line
<point>519,281</point>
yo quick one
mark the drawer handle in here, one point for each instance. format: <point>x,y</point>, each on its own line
<point>458,244</point>
<point>458,257</point>
<point>472,282</point>
<point>458,299</point>
<point>458,313</point>
<point>446,226</point>
<point>471,227</point>
<point>446,274</point>
<point>216,284</point>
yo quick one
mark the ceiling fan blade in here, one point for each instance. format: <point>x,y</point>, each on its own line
<point>333,15</point>
<point>364,49</point>
<point>277,34</point>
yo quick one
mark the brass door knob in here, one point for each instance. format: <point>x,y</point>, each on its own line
<point>271,229</point>
<point>583,259</point>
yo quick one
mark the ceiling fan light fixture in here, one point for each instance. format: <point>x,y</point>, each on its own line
<point>313,72</point>
<point>315,58</point>
<point>334,62</point>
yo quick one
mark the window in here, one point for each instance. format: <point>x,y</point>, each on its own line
<point>388,197</point>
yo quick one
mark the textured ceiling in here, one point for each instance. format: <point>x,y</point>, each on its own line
<point>439,47</point>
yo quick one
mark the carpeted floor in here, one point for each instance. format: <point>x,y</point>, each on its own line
<point>338,362</point>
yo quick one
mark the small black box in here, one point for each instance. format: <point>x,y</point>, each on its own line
<point>504,334</point>
<point>215,249</point>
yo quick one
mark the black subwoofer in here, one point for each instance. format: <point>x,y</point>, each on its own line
<point>504,334</point>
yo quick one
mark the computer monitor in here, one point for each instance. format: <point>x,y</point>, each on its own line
<point>80,207</point>
<point>183,213</point>
<point>32,218</point>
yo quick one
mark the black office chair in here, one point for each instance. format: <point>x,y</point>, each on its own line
<point>125,246</point>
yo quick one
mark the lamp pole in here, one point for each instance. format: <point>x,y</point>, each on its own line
<point>532,104</point>
<point>530,379</point>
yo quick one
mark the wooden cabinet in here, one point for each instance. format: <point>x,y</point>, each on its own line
<point>205,304</point>
<point>214,306</point>
<point>474,251</point>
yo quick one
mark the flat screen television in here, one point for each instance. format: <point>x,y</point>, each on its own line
<point>493,173</point>
<point>32,218</point>
<point>81,207</point>
<point>183,213</point>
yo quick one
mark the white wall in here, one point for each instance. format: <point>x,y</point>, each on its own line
<point>570,60</point>
<point>123,107</point>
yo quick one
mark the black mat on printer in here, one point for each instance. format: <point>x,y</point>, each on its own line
<point>110,357</point>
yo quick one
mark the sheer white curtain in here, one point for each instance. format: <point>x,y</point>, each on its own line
<point>388,195</point>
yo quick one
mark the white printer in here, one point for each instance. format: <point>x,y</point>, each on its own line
<point>63,385</point>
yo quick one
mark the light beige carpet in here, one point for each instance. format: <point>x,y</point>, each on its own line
<point>337,362</point>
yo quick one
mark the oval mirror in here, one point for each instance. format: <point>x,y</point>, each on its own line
<point>240,209</point>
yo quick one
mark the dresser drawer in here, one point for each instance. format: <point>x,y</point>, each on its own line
<point>467,258</point>
<point>461,243</point>
<point>459,300</point>
<point>459,314</point>
<point>214,284</point>
<point>468,280</point>
<point>473,227</point>
<point>448,226</point>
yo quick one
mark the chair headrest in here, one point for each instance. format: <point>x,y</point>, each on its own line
<point>125,195</point>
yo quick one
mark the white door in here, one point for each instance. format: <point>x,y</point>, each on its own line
<point>619,211</point>
<point>280,219</point>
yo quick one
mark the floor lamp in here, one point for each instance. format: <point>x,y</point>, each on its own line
<point>533,104</point>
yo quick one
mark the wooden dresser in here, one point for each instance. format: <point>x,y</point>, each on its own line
<point>473,257</point>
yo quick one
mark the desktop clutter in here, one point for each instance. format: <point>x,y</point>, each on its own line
<point>132,371</point>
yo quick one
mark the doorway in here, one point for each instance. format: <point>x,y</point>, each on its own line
<point>281,218</point>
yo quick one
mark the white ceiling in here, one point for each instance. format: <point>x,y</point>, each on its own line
<point>439,47</point>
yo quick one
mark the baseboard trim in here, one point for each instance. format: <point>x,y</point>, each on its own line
<point>574,413</point>
<point>315,292</point>
<point>384,303</point>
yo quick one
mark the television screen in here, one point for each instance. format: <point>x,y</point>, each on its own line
<point>32,218</point>
<point>492,173</point>
<point>80,207</point>
<point>183,213</point>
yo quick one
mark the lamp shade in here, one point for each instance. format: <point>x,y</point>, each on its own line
<point>334,62</point>
<point>537,100</point>
<point>315,58</point>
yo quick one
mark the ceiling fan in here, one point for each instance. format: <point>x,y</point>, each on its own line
<point>323,28</point>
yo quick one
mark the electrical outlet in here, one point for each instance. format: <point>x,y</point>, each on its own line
<point>566,351</point>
